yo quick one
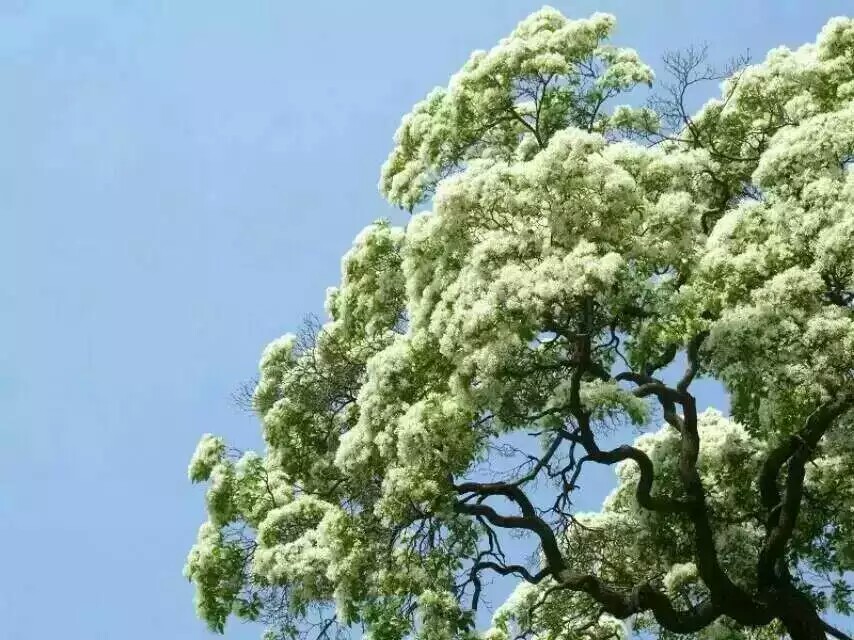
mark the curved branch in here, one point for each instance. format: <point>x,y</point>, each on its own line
<point>614,601</point>
<point>644,598</point>
<point>529,520</point>
<point>542,462</point>
<point>836,633</point>
<point>736,601</point>
<point>512,569</point>
<point>783,510</point>
<point>665,359</point>
<point>643,491</point>
<point>693,361</point>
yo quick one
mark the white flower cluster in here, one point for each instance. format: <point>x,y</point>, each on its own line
<point>486,110</point>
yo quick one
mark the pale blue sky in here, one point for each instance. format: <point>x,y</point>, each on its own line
<point>177,183</point>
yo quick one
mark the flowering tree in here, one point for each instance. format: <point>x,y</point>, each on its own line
<point>477,363</point>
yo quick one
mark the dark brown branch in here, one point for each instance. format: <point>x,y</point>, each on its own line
<point>643,490</point>
<point>615,602</point>
<point>665,359</point>
<point>737,603</point>
<point>783,509</point>
<point>836,633</point>
<point>512,569</point>
<point>529,520</point>
<point>542,462</point>
<point>693,363</point>
<point>644,598</point>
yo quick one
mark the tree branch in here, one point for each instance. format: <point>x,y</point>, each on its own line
<point>529,520</point>
<point>643,491</point>
<point>836,633</point>
<point>736,602</point>
<point>783,509</point>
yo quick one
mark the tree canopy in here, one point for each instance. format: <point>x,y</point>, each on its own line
<point>475,365</point>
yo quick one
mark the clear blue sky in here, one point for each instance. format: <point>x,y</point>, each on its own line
<point>177,183</point>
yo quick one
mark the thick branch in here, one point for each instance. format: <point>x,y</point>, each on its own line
<point>643,598</point>
<point>736,602</point>
<point>643,491</point>
<point>783,510</point>
<point>615,602</point>
<point>529,520</point>
<point>836,633</point>
<point>512,569</point>
<point>693,361</point>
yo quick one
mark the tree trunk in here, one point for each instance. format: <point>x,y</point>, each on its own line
<point>800,618</point>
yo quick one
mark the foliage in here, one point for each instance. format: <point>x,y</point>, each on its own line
<point>574,250</point>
